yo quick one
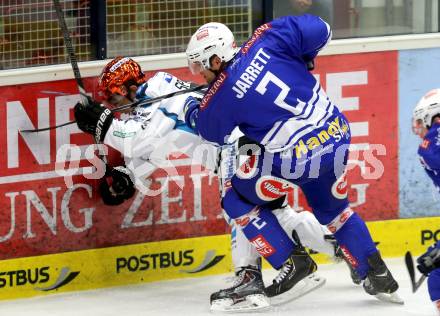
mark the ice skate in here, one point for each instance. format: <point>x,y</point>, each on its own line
<point>309,284</point>
<point>298,266</point>
<point>247,294</point>
<point>380,282</point>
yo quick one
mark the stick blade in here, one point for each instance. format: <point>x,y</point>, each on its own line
<point>410,267</point>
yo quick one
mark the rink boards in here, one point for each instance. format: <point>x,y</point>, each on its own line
<point>56,235</point>
<point>154,261</point>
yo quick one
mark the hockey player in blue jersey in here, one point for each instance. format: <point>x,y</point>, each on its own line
<point>137,135</point>
<point>265,88</point>
<point>429,265</point>
<point>426,124</point>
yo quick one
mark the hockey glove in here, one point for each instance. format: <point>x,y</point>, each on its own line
<point>191,111</point>
<point>430,260</point>
<point>94,119</point>
<point>120,189</point>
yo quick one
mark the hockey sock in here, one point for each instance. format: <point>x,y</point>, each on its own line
<point>267,236</point>
<point>243,253</point>
<point>355,241</point>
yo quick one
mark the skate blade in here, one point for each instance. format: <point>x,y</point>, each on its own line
<point>303,287</point>
<point>390,298</point>
<point>254,303</point>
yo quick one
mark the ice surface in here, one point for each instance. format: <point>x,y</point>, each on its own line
<point>338,297</point>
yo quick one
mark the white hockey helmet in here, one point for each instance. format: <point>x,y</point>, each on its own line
<point>210,39</point>
<point>424,112</point>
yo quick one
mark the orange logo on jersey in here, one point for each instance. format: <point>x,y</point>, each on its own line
<point>424,144</point>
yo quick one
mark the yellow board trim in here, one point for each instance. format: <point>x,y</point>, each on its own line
<point>183,258</point>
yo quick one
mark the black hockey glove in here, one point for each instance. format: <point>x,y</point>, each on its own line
<point>119,189</point>
<point>93,118</point>
<point>429,261</point>
<point>248,147</point>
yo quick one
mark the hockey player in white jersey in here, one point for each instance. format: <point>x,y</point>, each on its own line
<point>149,134</point>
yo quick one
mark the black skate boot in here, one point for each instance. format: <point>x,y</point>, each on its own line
<point>247,293</point>
<point>298,266</point>
<point>379,281</point>
<point>339,255</point>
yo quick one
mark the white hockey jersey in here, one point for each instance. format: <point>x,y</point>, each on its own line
<point>153,132</point>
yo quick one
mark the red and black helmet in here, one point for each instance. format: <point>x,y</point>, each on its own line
<point>118,73</point>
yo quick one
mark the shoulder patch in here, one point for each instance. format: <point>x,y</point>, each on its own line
<point>213,90</point>
<point>257,34</point>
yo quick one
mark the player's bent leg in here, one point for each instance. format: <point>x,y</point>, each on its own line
<point>263,230</point>
<point>243,253</point>
<point>313,235</point>
<point>330,205</point>
<point>355,242</point>
<point>260,227</point>
<point>310,231</point>
<point>298,266</point>
<point>339,256</point>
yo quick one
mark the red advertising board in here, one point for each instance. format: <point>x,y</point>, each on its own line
<point>40,214</point>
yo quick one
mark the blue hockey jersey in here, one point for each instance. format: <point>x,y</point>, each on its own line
<point>429,153</point>
<point>266,89</point>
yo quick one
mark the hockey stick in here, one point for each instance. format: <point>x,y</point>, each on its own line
<point>73,62</point>
<point>410,266</point>
<point>125,107</point>
<point>71,52</point>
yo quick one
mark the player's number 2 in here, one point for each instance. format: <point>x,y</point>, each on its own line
<point>261,88</point>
